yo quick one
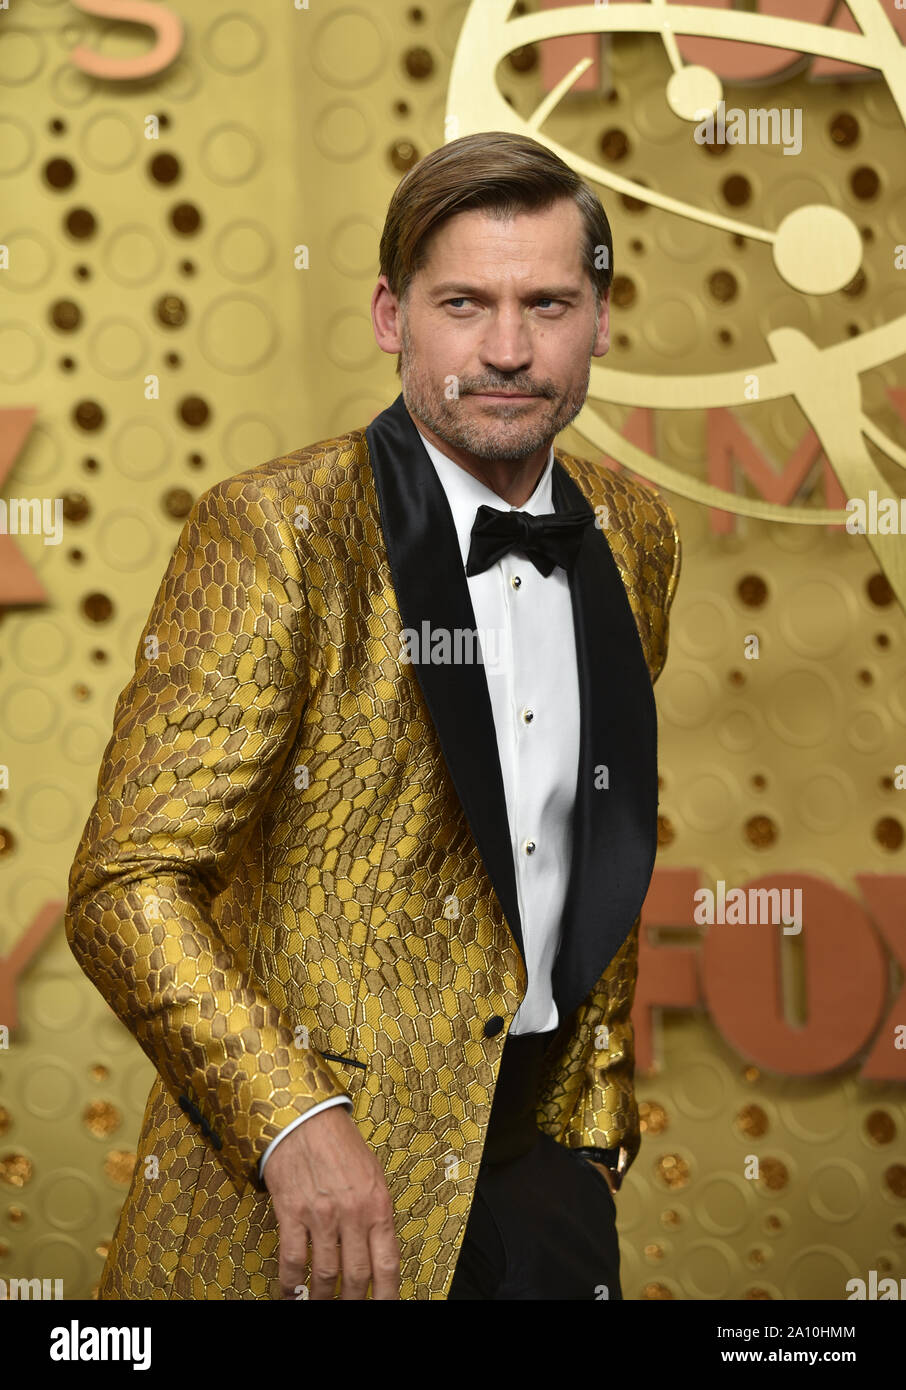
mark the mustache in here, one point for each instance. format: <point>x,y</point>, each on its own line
<point>505,388</point>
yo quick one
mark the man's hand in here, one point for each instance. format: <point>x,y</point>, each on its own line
<point>601,1167</point>
<point>329,1189</point>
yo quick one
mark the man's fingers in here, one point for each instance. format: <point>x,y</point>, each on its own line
<point>385,1259</point>
<point>293,1261</point>
<point>325,1258</point>
<point>355,1259</point>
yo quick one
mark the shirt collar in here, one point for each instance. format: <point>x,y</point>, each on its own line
<point>466,493</point>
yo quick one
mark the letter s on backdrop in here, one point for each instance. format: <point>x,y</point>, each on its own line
<point>167,26</point>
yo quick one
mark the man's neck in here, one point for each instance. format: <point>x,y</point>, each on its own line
<point>513,480</point>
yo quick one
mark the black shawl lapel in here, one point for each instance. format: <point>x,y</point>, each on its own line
<point>431,587</point>
<point>614,830</point>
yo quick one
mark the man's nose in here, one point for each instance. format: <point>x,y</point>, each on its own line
<point>507,342</point>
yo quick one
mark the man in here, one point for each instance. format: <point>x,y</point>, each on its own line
<point>378,813</point>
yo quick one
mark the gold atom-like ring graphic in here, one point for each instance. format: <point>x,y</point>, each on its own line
<point>816,249</point>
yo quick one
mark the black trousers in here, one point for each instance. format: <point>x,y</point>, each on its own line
<point>542,1223</point>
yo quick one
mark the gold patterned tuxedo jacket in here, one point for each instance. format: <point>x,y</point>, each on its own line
<point>297,879</point>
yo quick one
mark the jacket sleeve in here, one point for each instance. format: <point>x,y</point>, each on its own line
<point>657,574</point>
<point>591,1080</point>
<point>200,734</point>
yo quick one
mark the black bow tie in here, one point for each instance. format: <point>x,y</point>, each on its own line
<point>548,540</point>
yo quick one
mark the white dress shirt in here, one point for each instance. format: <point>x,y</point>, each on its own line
<point>525,628</point>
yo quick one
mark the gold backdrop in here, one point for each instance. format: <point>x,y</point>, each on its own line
<point>181,307</point>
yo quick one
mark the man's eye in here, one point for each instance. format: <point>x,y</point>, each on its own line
<point>544,300</point>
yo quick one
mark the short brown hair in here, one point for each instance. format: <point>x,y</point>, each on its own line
<point>500,173</point>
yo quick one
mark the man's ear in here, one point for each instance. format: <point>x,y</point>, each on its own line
<point>602,341</point>
<point>385,317</point>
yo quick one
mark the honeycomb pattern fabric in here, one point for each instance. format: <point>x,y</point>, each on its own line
<point>590,1079</point>
<point>263,875</point>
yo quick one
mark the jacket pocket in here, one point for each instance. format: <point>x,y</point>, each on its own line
<point>349,1071</point>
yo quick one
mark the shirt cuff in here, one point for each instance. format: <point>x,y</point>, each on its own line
<point>616,1159</point>
<point>334,1100</point>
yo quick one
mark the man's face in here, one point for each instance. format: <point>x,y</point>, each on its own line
<point>501,307</point>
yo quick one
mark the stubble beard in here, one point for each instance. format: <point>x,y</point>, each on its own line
<point>503,432</point>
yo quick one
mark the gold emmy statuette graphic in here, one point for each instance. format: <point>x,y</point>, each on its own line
<point>816,249</point>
